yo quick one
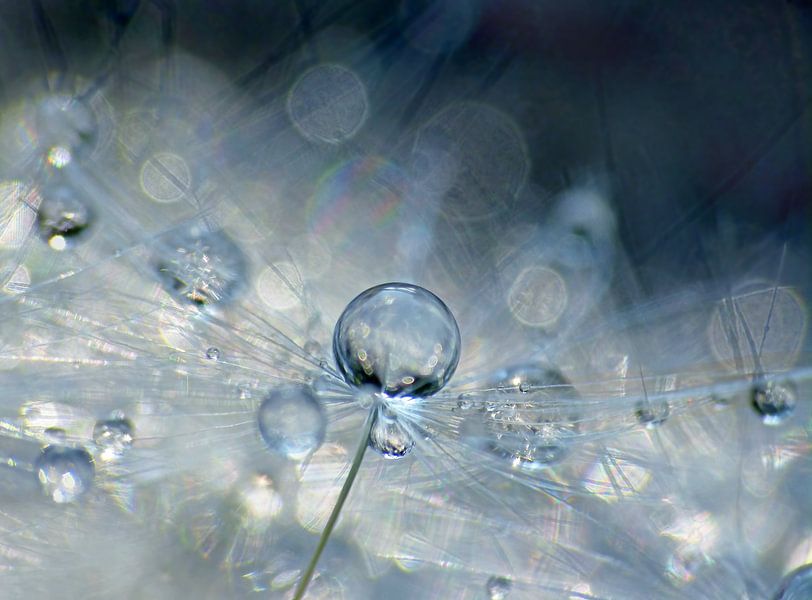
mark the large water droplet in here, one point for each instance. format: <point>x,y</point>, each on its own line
<point>797,585</point>
<point>388,437</point>
<point>774,401</point>
<point>399,338</point>
<point>530,420</point>
<point>292,422</point>
<point>62,217</point>
<point>201,267</point>
<point>113,437</point>
<point>65,474</point>
<point>498,588</point>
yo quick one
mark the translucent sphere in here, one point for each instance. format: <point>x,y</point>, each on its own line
<point>399,338</point>
<point>530,420</point>
<point>65,474</point>
<point>388,437</point>
<point>797,585</point>
<point>65,126</point>
<point>498,588</point>
<point>62,217</point>
<point>292,422</point>
<point>774,401</point>
<point>201,267</point>
<point>113,437</point>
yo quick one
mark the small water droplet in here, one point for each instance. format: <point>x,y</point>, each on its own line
<point>531,430</point>
<point>201,267</point>
<point>498,588</point>
<point>774,401</point>
<point>113,437</point>
<point>62,217</point>
<point>398,337</point>
<point>651,414</point>
<point>388,437</point>
<point>797,585</point>
<point>213,353</point>
<point>292,422</point>
<point>312,347</point>
<point>65,474</point>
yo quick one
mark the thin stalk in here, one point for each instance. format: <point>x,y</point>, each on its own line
<point>342,497</point>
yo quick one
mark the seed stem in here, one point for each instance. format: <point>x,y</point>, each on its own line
<point>342,497</point>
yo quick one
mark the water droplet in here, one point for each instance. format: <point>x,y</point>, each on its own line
<point>388,437</point>
<point>774,401</point>
<point>498,588</point>
<point>797,585</point>
<point>62,217</point>
<point>464,402</point>
<point>399,338</point>
<point>67,123</point>
<point>651,414</point>
<point>529,429</point>
<point>213,353</point>
<point>65,474</point>
<point>292,422</point>
<point>113,437</point>
<point>201,267</point>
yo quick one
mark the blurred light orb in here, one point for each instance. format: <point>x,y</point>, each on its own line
<point>280,286</point>
<point>113,437</point>
<point>399,338</point>
<point>64,473</point>
<point>490,157</point>
<point>538,297</point>
<point>775,401</point>
<point>165,177</point>
<point>778,311</point>
<point>388,437</point>
<point>201,267</point>
<point>292,422</point>
<point>63,121</point>
<point>529,421</point>
<point>797,585</point>
<point>63,217</point>
<point>498,587</point>
<point>328,104</point>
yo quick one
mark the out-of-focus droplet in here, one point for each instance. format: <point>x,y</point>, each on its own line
<point>201,267</point>
<point>113,437</point>
<point>65,124</point>
<point>292,422</point>
<point>328,104</point>
<point>399,338</point>
<point>388,437</point>
<point>774,401</point>
<point>530,420</point>
<point>64,473</point>
<point>650,414</point>
<point>797,585</point>
<point>62,217</point>
<point>498,587</point>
